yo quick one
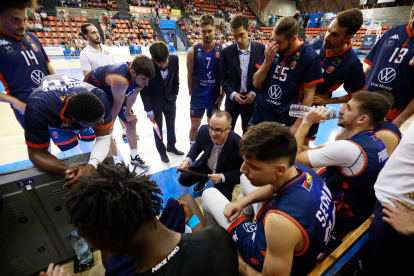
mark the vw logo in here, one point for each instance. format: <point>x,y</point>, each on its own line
<point>387,75</point>
<point>37,76</point>
<point>275,92</point>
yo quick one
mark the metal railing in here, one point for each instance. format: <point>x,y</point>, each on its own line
<point>180,34</point>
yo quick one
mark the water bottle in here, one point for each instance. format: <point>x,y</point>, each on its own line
<point>300,111</point>
<point>81,248</point>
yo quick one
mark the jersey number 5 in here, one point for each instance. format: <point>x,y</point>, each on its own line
<point>280,75</point>
<point>400,56</point>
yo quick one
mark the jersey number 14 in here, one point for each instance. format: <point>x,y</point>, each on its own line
<point>29,56</point>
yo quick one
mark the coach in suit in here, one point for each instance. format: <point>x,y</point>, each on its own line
<point>238,65</point>
<point>220,160</point>
<point>160,95</point>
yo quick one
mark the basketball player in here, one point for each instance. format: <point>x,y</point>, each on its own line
<point>23,62</point>
<point>122,82</point>
<point>290,77</point>
<point>340,64</point>
<point>61,107</point>
<point>203,65</point>
<point>389,69</point>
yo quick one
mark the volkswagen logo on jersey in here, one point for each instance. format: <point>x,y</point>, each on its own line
<point>387,75</point>
<point>275,92</point>
<point>37,76</point>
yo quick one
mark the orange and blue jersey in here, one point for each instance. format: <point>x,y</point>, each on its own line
<point>341,68</point>
<point>286,78</point>
<point>354,195</point>
<point>307,202</point>
<point>45,110</point>
<point>390,70</point>
<point>98,77</point>
<point>388,125</point>
<point>206,88</point>
<point>23,64</point>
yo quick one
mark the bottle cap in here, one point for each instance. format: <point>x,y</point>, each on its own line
<point>74,233</point>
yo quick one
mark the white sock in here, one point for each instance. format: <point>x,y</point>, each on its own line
<point>191,143</point>
<point>124,131</point>
<point>134,152</point>
<point>116,159</point>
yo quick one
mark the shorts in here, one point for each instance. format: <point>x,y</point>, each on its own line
<point>122,114</point>
<point>244,235</point>
<point>198,113</point>
<point>66,139</point>
<point>19,116</point>
<point>263,115</point>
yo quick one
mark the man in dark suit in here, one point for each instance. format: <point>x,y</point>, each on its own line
<point>237,69</point>
<point>160,95</point>
<point>220,161</point>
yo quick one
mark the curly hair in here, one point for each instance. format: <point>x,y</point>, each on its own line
<point>85,107</point>
<point>113,200</point>
<point>17,4</point>
<point>269,141</point>
<point>143,65</point>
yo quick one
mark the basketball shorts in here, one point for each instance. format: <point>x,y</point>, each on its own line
<point>19,116</point>
<point>198,113</point>
<point>67,140</point>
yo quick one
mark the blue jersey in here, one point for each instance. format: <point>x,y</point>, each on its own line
<point>23,64</point>
<point>286,77</point>
<point>388,125</point>
<point>206,88</point>
<point>354,195</point>
<point>98,76</point>
<point>307,202</point>
<point>47,104</point>
<point>341,68</point>
<point>390,69</point>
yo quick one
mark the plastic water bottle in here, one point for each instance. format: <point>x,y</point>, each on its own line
<point>300,111</point>
<point>81,248</point>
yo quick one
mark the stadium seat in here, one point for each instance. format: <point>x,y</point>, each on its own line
<point>54,29</point>
<point>73,24</point>
<point>67,24</point>
<point>80,24</point>
<point>42,40</point>
<point>51,18</point>
<point>68,30</point>
<point>78,19</point>
<point>49,41</point>
<point>55,35</point>
<point>69,35</point>
<point>62,35</point>
<point>48,35</point>
<point>39,34</point>
<point>116,21</point>
<point>84,19</point>
<point>52,23</point>
<point>122,21</point>
<point>61,29</point>
<point>75,30</point>
<point>60,24</point>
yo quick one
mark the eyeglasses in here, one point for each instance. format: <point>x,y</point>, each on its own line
<point>217,131</point>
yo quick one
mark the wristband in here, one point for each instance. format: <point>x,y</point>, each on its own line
<point>193,222</point>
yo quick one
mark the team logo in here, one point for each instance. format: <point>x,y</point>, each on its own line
<point>37,76</point>
<point>308,183</point>
<point>28,38</point>
<point>4,42</point>
<point>217,54</point>
<point>65,124</point>
<point>390,43</point>
<point>330,69</point>
<point>10,50</point>
<point>192,112</point>
<point>235,238</point>
<point>293,64</point>
<point>369,38</point>
<point>106,52</point>
<point>296,55</point>
<point>249,227</point>
<point>55,134</point>
<point>34,47</point>
<point>62,98</point>
<point>387,75</point>
<point>395,37</point>
<point>217,48</point>
<point>318,52</point>
<point>275,92</point>
<point>336,61</point>
<point>209,75</point>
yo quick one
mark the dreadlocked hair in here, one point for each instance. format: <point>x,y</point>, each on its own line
<point>113,200</point>
<point>85,106</point>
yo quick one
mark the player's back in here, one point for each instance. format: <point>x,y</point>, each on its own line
<point>388,125</point>
<point>206,76</point>
<point>23,64</point>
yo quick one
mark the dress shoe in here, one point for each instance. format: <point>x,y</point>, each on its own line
<point>175,151</point>
<point>164,158</point>
<point>200,186</point>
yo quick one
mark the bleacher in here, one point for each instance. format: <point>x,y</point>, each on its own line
<point>60,31</point>
<point>85,4</point>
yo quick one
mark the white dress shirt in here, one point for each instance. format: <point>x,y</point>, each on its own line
<point>91,59</point>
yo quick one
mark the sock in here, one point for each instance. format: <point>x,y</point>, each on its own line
<point>134,152</point>
<point>191,143</point>
<point>116,159</point>
<point>124,131</point>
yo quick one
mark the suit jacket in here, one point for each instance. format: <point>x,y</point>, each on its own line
<point>158,90</point>
<point>230,71</point>
<point>229,161</point>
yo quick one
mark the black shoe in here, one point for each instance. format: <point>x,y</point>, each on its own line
<point>118,164</point>
<point>164,158</point>
<point>175,151</point>
<point>124,137</point>
<point>139,162</point>
<point>199,186</point>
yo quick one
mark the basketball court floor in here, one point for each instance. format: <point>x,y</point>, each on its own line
<point>13,150</point>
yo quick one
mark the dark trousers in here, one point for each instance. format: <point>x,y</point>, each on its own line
<point>168,109</point>
<point>244,110</point>
<point>188,179</point>
<point>386,252</point>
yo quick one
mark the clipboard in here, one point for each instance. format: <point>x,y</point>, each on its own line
<point>195,173</point>
<point>156,128</point>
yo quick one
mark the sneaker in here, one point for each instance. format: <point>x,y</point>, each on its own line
<point>200,186</point>
<point>124,137</point>
<point>118,164</point>
<point>139,162</point>
<point>164,158</point>
<point>175,151</point>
